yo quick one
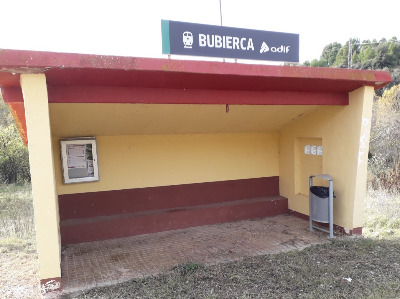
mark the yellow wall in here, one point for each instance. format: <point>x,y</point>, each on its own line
<point>138,161</point>
<point>306,165</point>
<point>45,201</point>
<point>345,136</point>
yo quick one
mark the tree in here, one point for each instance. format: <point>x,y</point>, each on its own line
<point>319,63</point>
<point>14,161</point>
<point>329,53</point>
<point>383,59</point>
<point>367,53</point>
<point>6,118</point>
<point>394,50</point>
<point>342,57</point>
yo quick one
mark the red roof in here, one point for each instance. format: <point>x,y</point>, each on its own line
<point>98,70</point>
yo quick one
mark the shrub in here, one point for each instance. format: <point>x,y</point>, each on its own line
<point>14,160</point>
<point>384,166</point>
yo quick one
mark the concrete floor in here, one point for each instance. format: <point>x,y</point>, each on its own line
<point>87,265</point>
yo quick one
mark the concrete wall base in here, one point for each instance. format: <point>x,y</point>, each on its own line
<point>336,228</point>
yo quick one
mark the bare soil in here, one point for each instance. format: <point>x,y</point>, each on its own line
<point>19,269</point>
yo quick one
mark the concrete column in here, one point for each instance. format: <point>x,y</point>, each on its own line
<point>45,202</point>
<point>364,98</point>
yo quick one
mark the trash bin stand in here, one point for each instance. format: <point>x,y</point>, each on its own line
<point>330,205</point>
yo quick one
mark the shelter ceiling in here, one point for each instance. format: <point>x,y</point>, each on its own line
<point>69,120</point>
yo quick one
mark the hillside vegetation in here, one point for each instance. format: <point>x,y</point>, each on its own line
<point>366,54</point>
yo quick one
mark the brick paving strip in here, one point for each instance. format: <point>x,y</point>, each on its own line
<point>101,263</point>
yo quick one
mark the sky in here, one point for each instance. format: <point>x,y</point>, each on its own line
<point>133,27</point>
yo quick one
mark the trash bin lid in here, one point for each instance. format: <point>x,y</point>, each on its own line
<point>320,191</point>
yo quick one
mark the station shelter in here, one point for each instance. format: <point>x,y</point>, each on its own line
<point>178,143</point>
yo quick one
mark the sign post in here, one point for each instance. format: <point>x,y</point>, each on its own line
<point>192,39</point>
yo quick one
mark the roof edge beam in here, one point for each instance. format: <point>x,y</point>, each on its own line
<point>106,94</point>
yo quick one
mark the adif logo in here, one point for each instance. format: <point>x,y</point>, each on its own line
<point>264,48</point>
<point>187,39</point>
<point>282,49</point>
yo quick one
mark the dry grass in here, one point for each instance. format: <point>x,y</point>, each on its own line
<point>18,259</point>
<point>16,212</point>
<point>382,214</point>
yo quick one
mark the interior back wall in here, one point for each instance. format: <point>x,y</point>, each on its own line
<point>138,161</point>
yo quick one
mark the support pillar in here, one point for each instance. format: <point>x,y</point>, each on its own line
<point>45,202</point>
<point>364,98</point>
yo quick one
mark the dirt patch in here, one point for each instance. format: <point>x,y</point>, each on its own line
<point>19,270</point>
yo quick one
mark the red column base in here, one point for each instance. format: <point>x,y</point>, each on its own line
<point>50,287</point>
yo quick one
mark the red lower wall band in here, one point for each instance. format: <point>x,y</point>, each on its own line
<point>105,203</point>
<point>103,228</point>
<point>87,217</point>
